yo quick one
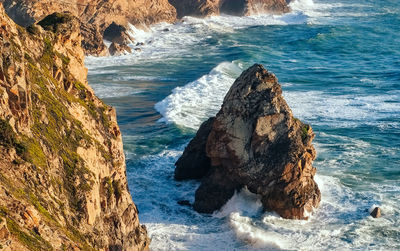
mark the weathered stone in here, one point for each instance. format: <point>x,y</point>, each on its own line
<point>117,34</point>
<point>119,49</point>
<point>62,165</point>
<point>92,40</point>
<point>194,163</point>
<point>94,15</point>
<point>376,213</point>
<point>232,7</point>
<point>255,142</point>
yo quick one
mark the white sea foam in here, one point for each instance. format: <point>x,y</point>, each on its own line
<point>342,110</point>
<point>191,104</point>
<point>165,40</point>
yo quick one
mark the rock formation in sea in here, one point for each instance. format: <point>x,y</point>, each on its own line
<point>63,179</point>
<point>232,7</point>
<point>95,15</point>
<point>255,142</point>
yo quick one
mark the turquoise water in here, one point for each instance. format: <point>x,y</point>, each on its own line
<point>339,66</point>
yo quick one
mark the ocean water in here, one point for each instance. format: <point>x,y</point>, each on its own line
<point>339,66</point>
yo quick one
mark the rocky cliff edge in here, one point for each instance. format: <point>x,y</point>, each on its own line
<point>62,167</point>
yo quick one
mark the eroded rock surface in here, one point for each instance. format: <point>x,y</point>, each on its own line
<point>95,15</point>
<point>254,142</point>
<point>233,7</point>
<point>62,167</point>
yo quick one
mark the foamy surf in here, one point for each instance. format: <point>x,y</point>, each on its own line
<point>193,103</point>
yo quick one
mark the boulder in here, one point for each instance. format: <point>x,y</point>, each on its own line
<point>117,34</point>
<point>119,49</point>
<point>255,142</point>
<point>376,213</point>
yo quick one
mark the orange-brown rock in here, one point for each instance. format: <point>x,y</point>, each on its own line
<point>255,142</point>
<point>119,49</point>
<point>95,15</point>
<point>62,167</point>
<point>232,7</point>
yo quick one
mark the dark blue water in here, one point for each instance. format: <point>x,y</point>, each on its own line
<point>339,66</point>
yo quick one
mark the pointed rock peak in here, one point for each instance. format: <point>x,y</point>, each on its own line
<point>255,142</point>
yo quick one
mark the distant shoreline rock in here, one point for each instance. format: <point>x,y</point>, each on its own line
<point>255,142</point>
<point>203,8</point>
<point>110,19</point>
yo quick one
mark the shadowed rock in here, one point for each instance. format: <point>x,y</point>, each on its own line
<point>231,7</point>
<point>255,142</point>
<point>194,163</point>
<point>376,213</point>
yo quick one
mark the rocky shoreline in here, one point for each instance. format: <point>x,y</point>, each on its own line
<point>97,18</point>
<point>63,178</point>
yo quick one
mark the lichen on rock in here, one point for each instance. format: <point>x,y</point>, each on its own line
<point>255,142</point>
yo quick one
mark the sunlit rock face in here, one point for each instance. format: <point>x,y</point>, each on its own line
<point>255,142</point>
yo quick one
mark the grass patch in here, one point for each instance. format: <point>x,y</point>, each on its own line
<point>304,131</point>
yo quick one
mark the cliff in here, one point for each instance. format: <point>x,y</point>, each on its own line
<point>95,15</point>
<point>62,168</point>
<point>255,142</point>
<point>232,7</point>
<point>99,16</point>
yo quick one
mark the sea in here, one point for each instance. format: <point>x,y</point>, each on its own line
<point>339,66</point>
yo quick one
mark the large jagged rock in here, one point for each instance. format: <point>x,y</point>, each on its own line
<point>233,7</point>
<point>93,14</point>
<point>255,142</point>
<point>62,167</point>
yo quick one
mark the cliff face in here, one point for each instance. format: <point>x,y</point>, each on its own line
<point>95,15</point>
<point>232,7</point>
<point>62,167</point>
<point>254,142</point>
<point>98,12</point>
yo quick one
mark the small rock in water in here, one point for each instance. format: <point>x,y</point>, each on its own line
<point>138,49</point>
<point>139,44</point>
<point>184,203</point>
<point>376,213</point>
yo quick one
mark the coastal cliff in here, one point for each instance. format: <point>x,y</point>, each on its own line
<point>62,167</point>
<point>232,7</point>
<point>98,16</point>
<point>95,15</point>
<point>255,142</point>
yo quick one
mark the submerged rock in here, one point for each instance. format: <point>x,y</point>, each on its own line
<point>254,142</point>
<point>184,203</point>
